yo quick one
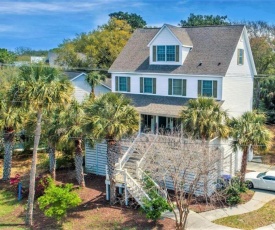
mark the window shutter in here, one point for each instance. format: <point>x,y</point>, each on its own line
<point>116,88</point>
<point>242,57</point>
<point>170,82</point>
<point>154,85</point>
<point>215,89</point>
<point>128,84</point>
<point>184,87</point>
<point>199,87</point>
<point>154,53</point>
<point>177,53</point>
<point>141,84</point>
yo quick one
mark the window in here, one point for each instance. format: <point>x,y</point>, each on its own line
<point>207,88</point>
<point>170,53</point>
<point>161,53</point>
<point>147,85</point>
<point>269,178</point>
<point>166,53</point>
<point>177,87</point>
<point>123,84</point>
<point>240,57</point>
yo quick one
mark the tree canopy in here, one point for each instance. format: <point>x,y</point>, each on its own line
<point>204,20</point>
<point>6,56</point>
<point>134,20</point>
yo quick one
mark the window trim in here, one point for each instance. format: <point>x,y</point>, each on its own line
<point>171,87</point>
<point>214,88</point>
<point>240,57</point>
<point>128,84</point>
<point>155,58</point>
<point>142,85</point>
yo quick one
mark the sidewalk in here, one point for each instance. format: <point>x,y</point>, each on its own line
<point>204,220</point>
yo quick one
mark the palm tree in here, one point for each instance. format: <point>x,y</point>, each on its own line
<point>249,131</point>
<point>40,89</point>
<point>73,121</point>
<point>112,117</point>
<point>93,79</point>
<point>11,119</point>
<point>54,132</point>
<point>204,119</point>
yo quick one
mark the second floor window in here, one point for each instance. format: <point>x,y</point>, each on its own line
<point>147,85</point>
<point>207,88</point>
<point>166,53</point>
<point>177,87</point>
<point>123,84</point>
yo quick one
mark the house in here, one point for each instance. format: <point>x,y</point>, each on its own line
<point>81,87</point>
<point>160,69</point>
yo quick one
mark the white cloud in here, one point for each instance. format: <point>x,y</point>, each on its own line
<point>37,7</point>
<point>7,28</point>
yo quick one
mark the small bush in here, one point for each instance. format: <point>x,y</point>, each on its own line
<point>157,204</point>
<point>57,200</point>
<point>234,190</point>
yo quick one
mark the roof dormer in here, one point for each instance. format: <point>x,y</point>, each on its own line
<point>170,46</point>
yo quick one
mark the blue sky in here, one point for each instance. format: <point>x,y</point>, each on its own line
<point>44,24</point>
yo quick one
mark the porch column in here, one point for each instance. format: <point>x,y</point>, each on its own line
<point>139,131</point>
<point>157,125</point>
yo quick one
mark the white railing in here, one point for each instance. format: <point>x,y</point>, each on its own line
<point>145,154</point>
<point>131,183</point>
<point>122,161</point>
<point>143,175</point>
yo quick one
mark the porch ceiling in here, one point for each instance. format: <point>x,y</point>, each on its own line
<point>158,105</point>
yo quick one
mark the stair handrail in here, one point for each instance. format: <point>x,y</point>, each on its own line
<point>136,185</point>
<point>144,155</point>
<point>161,192</point>
<point>125,157</point>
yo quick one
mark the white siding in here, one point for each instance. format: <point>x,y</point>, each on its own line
<point>162,83</point>
<point>82,89</point>
<point>238,83</point>
<point>96,159</point>
<point>237,95</point>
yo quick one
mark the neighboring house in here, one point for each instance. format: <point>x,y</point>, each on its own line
<point>160,69</point>
<point>82,89</point>
<point>37,59</point>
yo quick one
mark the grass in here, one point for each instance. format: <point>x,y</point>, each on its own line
<point>259,218</point>
<point>8,203</point>
<point>10,211</point>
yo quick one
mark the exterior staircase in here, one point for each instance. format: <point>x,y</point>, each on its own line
<point>131,174</point>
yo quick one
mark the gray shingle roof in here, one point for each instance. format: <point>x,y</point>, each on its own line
<point>158,105</point>
<point>181,34</point>
<point>211,45</point>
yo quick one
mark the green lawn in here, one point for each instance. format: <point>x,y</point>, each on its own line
<point>10,211</point>
<point>259,218</point>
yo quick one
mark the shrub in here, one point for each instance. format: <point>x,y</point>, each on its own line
<point>157,204</point>
<point>57,200</point>
<point>234,190</point>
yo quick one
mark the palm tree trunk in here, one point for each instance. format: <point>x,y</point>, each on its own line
<point>29,217</point>
<point>52,161</point>
<point>79,163</point>
<point>8,146</point>
<point>244,164</point>
<point>112,150</point>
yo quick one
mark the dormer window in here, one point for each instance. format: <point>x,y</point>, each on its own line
<point>166,53</point>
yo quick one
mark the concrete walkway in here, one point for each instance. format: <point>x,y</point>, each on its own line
<point>204,220</point>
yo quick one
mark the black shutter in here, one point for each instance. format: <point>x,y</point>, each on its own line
<point>154,85</point>
<point>215,89</point>
<point>177,53</point>
<point>170,82</point>
<point>141,84</point>
<point>128,84</point>
<point>184,87</point>
<point>199,88</point>
<point>154,53</point>
<point>116,87</point>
